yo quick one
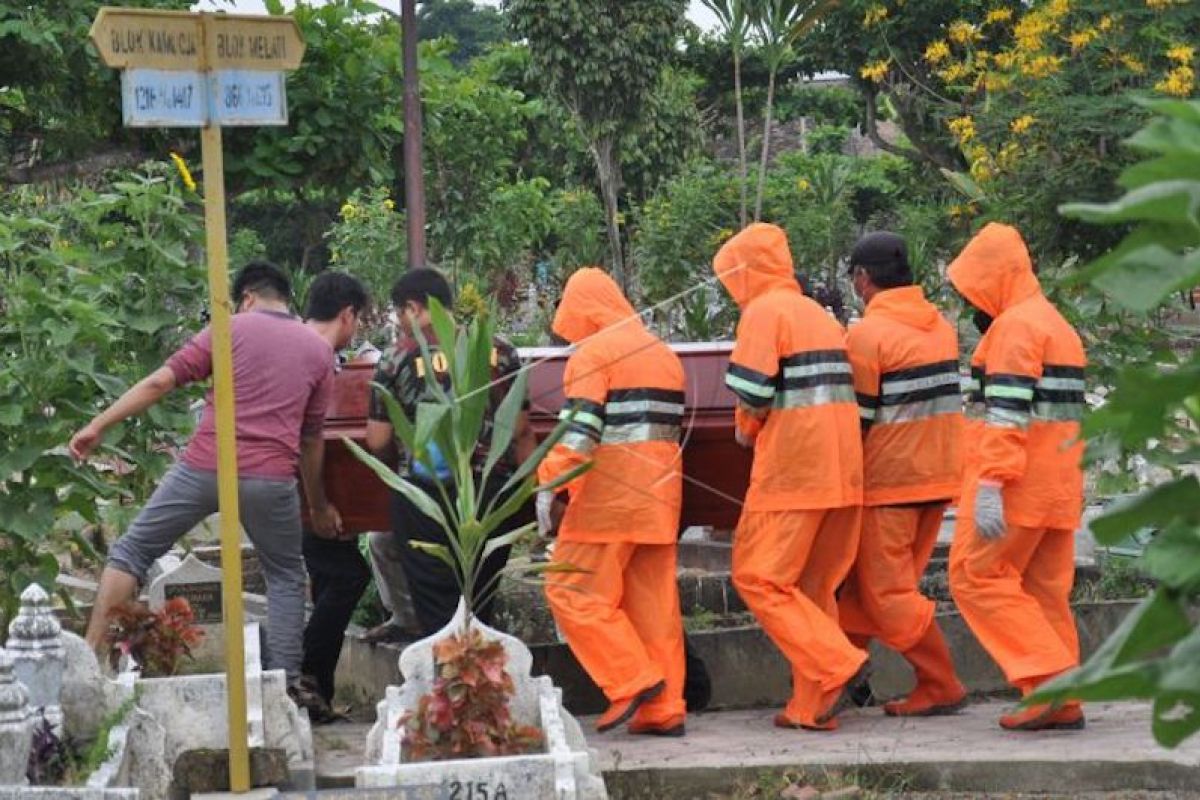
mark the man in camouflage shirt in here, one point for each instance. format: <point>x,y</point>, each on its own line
<point>402,370</point>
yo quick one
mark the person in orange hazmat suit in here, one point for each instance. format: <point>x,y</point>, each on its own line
<point>619,610</point>
<point>905,360</point>
<point>798,532</point>
<point>1012,562</point>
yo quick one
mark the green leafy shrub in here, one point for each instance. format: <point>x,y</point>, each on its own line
<point>97,287</point>
<point>1155,653</point>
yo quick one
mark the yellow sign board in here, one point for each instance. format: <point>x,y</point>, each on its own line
<point>180,40</point>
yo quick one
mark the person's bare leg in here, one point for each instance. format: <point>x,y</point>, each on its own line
<point>116,587</point>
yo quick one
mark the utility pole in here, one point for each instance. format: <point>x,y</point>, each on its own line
<point>414,173</point>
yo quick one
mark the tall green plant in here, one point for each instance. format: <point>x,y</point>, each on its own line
<point>602,61</point>
<point>454,423</point>
<point>779,24</point>
<point>735,21</point>
<point>1155,653</point>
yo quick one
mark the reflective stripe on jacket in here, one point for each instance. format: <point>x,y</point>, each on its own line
<point>792,376</point>
<point>1028,380</point>
<point>625,401</point>
<point>906,379</point>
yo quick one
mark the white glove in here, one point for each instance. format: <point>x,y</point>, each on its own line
<point>545,519</point>
<point>989,510</point>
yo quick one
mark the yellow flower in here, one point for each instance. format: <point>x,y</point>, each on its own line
<point>963,32</point>
<point>1031,30</point>
<point>963,129</point>
<point>982,169</point>
<point>1106,23</point>
<point>995,82</point>
<point>1159,5</point>
<point>1042,66</point>
<point>1179,82</point>
<point>1181,53</point>
<point>937,52</point>
<point>954,72</point>
<point>1006,59</point>
<point>802,185</point>
<point>1081,39</point>
<point>1058,8</point>
<point>875,14</point>
<point>723,235</point>
<point>1022,123</point>
<point>348,211</point>
<point>184,172</point>
<point>1132,63</point>
<point>875,72</point>
<point>1008,155</point>
<point>998,15</point>
<point>389,204</point>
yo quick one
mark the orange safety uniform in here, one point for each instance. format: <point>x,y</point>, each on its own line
<point>625,399</point>
<point>798,532</point>
<point>1028,388</point>
<point>905,360</point>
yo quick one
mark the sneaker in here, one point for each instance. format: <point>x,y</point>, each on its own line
<point>621,710</point>
<point>387,633</point>
<point>1048,717</point>
<point>672,727</point>
<point>304,693</point>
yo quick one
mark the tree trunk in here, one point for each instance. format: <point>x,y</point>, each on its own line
<point>414,171</point>
<point>766,146</point>
<point>609,172</point>
<point>741,132</point>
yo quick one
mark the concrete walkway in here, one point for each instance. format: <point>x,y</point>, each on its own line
<point>728,750</point>
<point>966,752</point>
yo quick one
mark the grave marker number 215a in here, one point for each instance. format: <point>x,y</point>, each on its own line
<point>476,790</point>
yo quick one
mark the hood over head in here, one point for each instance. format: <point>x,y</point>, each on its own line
<point>591,302</point>
<point>994,271</point>
<point>754,262</point>
<point>905,304</point>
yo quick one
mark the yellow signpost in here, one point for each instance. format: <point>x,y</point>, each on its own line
<point>209,70</point>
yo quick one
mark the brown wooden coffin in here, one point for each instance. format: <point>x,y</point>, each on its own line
<point>716,470</point>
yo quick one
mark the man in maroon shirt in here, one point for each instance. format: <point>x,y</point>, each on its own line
<point>283,378</point>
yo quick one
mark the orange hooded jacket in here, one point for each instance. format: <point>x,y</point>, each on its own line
<point>789,363</point>
<point>626,391</point>
<point>1028,376</point>
<point>905,359</point>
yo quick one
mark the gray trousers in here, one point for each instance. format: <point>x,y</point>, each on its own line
<point>391,581</point>
<point>270,513</point>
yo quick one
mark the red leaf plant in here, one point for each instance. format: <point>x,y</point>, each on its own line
<point>157,640</point>
<point>467,714</point>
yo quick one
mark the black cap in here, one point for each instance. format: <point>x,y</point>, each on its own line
<point>879,249</point>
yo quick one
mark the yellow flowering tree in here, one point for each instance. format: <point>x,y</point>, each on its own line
<point>1023,105</point>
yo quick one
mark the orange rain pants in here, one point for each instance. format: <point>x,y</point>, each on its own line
<point>1028,381</point>
<point>882,600</point>
<point>624,401</point>
<point>621,616</point>
<point>787,566</point>
<point>1015,593</point>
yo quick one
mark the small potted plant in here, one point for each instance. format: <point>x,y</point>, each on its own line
<point>156,641</point>
<point>467,711</point>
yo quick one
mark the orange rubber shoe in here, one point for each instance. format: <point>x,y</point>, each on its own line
<point>1047,717</point>
<point>619,711</point>
<point>674,726</point>
<point>919,705</point>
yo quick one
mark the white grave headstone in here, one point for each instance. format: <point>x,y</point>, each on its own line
<point>39,659</point>
<point>196,582</point>
<point>16,725</point>
<point>565,768</point>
